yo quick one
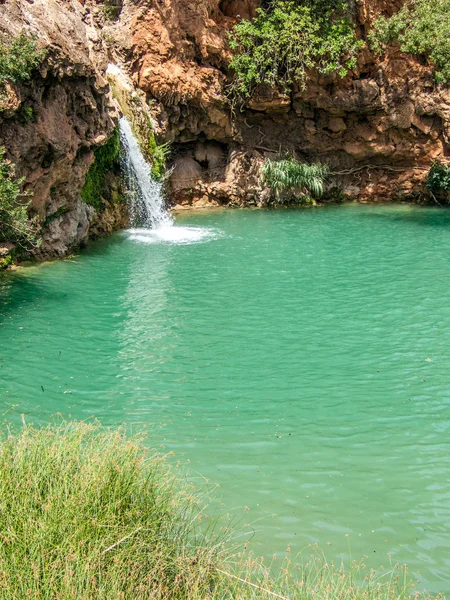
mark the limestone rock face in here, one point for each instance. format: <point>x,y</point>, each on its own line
<point>379,129</point>
<point>69,115</point>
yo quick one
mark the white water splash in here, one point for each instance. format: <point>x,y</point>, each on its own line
<point>152,223</point>
<point>145,198</point>
<point>173,235</point>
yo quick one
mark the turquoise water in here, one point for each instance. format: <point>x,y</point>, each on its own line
<point>300,359</point>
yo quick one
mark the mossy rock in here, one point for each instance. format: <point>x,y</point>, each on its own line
<point>107,160</point>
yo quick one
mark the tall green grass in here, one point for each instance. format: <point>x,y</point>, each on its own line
<point>87,513</point>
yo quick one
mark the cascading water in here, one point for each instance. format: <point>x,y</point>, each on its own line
<point>150,219</point>
<point>145,199</point>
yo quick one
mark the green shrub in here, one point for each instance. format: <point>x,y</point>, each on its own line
<point>421,27</point>
<point>288,39</point>
<point>19,56</point>
<point>288,179</point>
<point>106,160</point>
<point>15,226</point>
<point>87,513</point>
<point>438,181</point>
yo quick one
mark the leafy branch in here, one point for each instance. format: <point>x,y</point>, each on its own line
<point>19,56</point>
<point>420,27</point>
<point>287,40</point>
<point>15,226</point>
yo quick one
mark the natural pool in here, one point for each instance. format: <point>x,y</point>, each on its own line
<point>298,358</point>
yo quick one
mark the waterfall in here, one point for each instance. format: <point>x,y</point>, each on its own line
<point>152,223</point>
<point>145,199</point>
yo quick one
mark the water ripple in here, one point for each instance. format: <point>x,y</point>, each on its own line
<point>301,361</point>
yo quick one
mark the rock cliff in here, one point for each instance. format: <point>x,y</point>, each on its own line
<point>52,124</point>
<point>380,128</point>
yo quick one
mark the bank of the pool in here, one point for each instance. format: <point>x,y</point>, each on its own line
<point>88,512</point>
<point>206,206</point>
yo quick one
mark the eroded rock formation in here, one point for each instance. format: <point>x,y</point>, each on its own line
<point>52,124</point>
<point>379,129</point>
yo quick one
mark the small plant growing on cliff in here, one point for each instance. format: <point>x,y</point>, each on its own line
<point>107,160</point>
<point>420,27</point>
<point>26,114</point>
<point>156,153</point>
<point>288,39</point>
<point>438,181</point>
<point>19,56</point>
<point>112,9</point>
<point>160,154</point>
<point>288,179</point>
<point>15,225</point>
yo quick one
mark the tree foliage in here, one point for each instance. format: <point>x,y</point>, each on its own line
<point>421,27</point>
<point>15,226</point>
<point>288,179</point>
<point>288,39</point>
<point>438,181</point>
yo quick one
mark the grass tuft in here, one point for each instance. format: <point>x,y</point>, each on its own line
<point>87,513</point>
<point>288,179</point>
